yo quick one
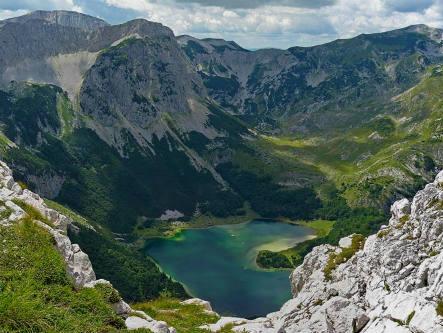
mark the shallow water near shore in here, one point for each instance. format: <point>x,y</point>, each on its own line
<point>218,264</point>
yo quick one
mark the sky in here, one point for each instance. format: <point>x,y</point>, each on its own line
<point>254,23</point>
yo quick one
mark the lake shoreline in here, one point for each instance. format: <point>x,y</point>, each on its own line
<point>183,226</point>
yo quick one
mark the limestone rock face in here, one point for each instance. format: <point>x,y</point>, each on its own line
<point>392,285</point>
<point>78,265</point>
<point>135,323</point>
<point>197,301</point>
<point>63,18</point>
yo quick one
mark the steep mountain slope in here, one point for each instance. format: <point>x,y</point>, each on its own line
<point>133,102</point>
<point>60,159</point>
<point>387,158</point>
<point>47,283</point>
<point>388,282</point>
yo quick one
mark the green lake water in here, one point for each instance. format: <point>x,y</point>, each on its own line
<point>218,264</point>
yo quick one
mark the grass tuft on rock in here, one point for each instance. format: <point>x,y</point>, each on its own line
<point>32,212</point>
<point>439,308</point>
<point>336,259</point>
<point>109,293</point>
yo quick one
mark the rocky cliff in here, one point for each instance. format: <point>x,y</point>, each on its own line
<point>125,78</point>
<point>390,282</point>
<point>15,204</point>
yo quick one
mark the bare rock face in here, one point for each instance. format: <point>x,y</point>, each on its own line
<point>78,265</point>
<point>136,322</point>
<point>197,301</point>
<point>134,84</point>
<point>392,285</point>
<point>63,18</point>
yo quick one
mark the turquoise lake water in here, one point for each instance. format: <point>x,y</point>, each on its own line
<point>218,264</point>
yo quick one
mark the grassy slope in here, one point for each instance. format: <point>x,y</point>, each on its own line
<point>35,293</point>
<point>368,163</point>
<point>322,228</point>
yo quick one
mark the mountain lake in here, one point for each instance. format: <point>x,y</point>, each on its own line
<point>217,264</point>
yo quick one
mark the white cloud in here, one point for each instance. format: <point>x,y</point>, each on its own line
<point>353,17</point>
<point>266,25</point>
<point>285,26</point>
<point>260,3</point>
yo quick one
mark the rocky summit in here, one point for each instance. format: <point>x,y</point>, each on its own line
<point>389,282</point>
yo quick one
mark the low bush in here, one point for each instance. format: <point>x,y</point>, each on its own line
<point>269,259</point>
<point>185,318</point>
<point>439,308</point>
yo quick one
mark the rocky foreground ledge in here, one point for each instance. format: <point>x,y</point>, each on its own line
<point>78,266</point>
<point>391,282</point>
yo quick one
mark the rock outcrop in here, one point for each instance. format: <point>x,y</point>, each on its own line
<point>393,284</point>
<point>63,18</point>
<point>78,265</point>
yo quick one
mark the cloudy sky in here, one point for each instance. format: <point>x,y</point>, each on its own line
<point>255,23</point>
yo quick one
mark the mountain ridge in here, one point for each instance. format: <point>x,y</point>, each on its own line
<point>63,18</point>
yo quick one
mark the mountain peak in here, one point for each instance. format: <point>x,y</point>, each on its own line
<point>63,18</point>
<point>418,27</point>
<point>218,42</point>
<point>433,33</point>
